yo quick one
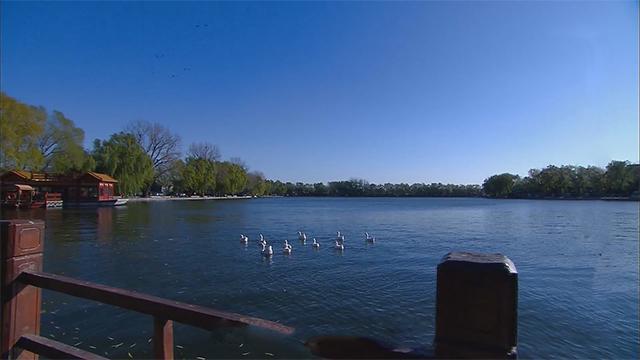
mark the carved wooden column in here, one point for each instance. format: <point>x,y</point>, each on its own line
<point>476,306</point>
<point>21,247</point>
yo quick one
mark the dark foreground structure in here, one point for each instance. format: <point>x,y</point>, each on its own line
<point>476,309</point>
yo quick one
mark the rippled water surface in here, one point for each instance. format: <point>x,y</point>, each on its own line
<point>577,264</point>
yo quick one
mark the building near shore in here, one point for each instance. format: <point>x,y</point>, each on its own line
<point>25,189</point>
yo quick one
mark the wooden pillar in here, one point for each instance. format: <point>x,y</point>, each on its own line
<point>21,247</point>
<point>476,306</point>
<point>162,338</point>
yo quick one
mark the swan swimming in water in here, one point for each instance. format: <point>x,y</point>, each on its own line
<point>315,244</point>
<point>287,248</point>
<point>302,236</point>
<point>339,246</point>
<point>340,238</point>
<point>267,251</point>
<point>244,239</point>
<point>369,238</point>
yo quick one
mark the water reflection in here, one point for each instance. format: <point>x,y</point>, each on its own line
<point>267,259</point>
<point>104,225</point>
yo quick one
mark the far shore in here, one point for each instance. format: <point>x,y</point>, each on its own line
<point>169,198</point>
<point>195,197</point>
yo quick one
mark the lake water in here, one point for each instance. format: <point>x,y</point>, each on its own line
<point>577,264</point>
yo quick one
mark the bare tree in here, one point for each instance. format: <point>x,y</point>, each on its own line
<point>204,150</point>
<point>238,161</point>
<point>162,146</point>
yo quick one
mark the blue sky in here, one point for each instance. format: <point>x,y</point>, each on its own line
<point>303,91</point>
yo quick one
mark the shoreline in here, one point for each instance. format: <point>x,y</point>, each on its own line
<point>195,198</point>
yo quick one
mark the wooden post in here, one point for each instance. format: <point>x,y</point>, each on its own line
<point>21,247</point>
<point>476,306</point>
<point>162,338</point>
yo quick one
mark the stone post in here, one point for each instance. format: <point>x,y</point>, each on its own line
<point>476,306</point>
<point>21,247</point>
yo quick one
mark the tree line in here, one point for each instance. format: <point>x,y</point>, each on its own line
<point>618,179</point>
<point>147,157</point>
<point>360,187</point>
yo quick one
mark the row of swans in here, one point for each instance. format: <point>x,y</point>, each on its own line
<point>267,250</point>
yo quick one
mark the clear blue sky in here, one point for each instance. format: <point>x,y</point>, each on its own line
<point>385,91</point>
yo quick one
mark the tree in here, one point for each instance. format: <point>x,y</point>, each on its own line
<point>61,146</point>
<point>319,189</point>
<point>172,180</point>
<point>589,181</point>
<point>231,178</point>
<point>499,185</point>
<point>256,184</point>
<point>204,150</point>
<point>162,146</point>
<point>123,158</point>
<point>199,175</point>
<point>20,127</point>
<point>275,187</point>
<point>619,178</point>
<point>238,161</point>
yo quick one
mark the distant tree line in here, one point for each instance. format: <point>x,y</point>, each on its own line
<point>618,179</point>
<point>147,158</point>
<point>359,187</point>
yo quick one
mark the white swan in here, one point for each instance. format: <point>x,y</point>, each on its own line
<point>287,248</point>
<point>267,251</point>
<point>339,246</point>
<point>315,244</point>
<point>302,236</point>
<point>369,238</point>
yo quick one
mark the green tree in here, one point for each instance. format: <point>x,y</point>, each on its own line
<point>61,146</point>
<point>320,189</point>
<point>199,175</point>
<point>256,184</point>
<point>619,178</point>
<point>123,158</point>
<point>499,185</point>
<point>231,178</point>
<point>20,127</point>
<point>589,181</point>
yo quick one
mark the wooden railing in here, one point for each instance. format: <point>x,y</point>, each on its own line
<point>163,311</point>
<point>22,280</point>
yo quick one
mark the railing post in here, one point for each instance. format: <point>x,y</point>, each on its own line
<point>162,338</point>
<point>476,306</point>
<point>21,247</point>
